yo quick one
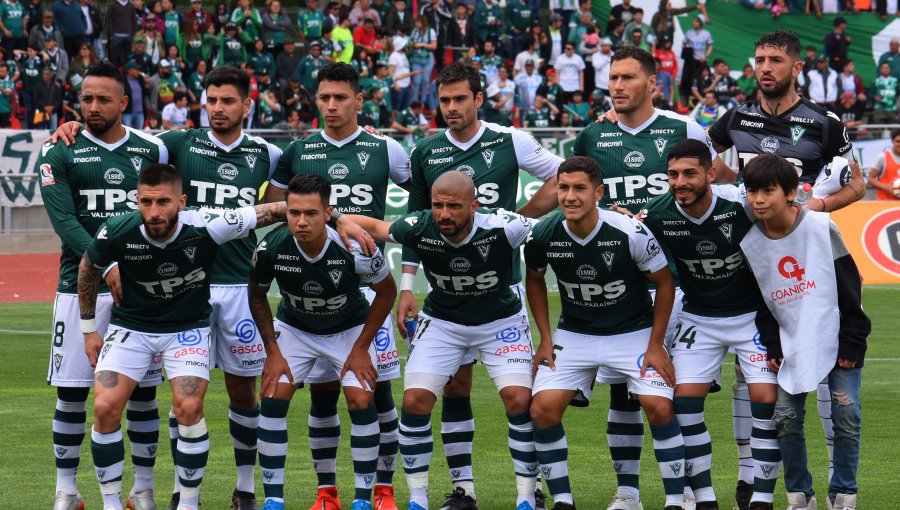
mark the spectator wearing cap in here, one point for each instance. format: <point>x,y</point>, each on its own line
<point>488,22</point>
<point>342,39</point>
<point>837,45</point>
<point>365,37</point>
<point>399,21</point>
<point>197,13</point>
<point>600,62</point>
<point>363,11</point>
<point>401,93</point>
<point>13,24</point>
<point>519,15</point>
<point>121,26</point>
<point>570,67</point>
<point>286,62</point>
<point>892,57</point>
<point>153,44</point>
<point>47,100</point>
<point>71,22</point>
<point>309,67</point>
<point>43,30</point>
<point>528,82</point>
<point>140,58</point>
<point>551,91</point>
<point>557,34</point>
<point>247,18</point>
<point>232,51</point>
<point>56,59</point>
<point>163,85</point>
<point>175,114</point>
<point>529,52</point>
<point>823,84</point>
<point>32,64</point>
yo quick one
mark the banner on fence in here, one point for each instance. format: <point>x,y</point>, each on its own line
<point>871,230</point>
<point>19,182</point>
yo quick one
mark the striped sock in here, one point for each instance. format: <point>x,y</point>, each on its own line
<point>668,445</point>
<point>69,427</point>
<point>553,456</point>
<point>625,436</point>
<point>273,445</point>
<point>823,402</point>
<point>108,451</point>
<point>457,432</point>
<point>190,464</point>
<point>766,455</point>
<point>416,446</point>
<point>364,434</point>
<point>142,426</point>
<point>243,425</point>
<point>324,434</point>
<point>389,440</point>
<point>521,447</point>
<point>173,447</point>
<point>697,446</point>
<point>743,423</point>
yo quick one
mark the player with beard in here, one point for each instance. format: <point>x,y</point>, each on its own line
<point>82,185</point>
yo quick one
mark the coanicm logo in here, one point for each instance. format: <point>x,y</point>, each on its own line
<point>881,240</point>
<point>790,269</point>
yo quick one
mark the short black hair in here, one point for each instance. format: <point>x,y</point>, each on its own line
<point>770,169</point>
<point>638,10</point>
<point>228,75</point>
<point>781,39</point>
<point>691,148</point>
<point>309,184</point>
<point>582,164</point>
<point>158,174</point>
<point>106,70</point>
<point>339,71</point>
<point>179,95</point>
<point>895,133</point>
<point>457,72</point>
<point>644,58</point>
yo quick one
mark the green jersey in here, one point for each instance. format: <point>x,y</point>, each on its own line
<point>223,177</point>
<point>634,160</point>
<point>886,91</point>
<point>6,84</point>
<point>231,51</point>
<point>367,84</point>
<point>485,14</point>
<point>87,183</point>
<point>307,70</point>
<point>195,84</point>
<point>319,294</point>
<point>262,60</point>
<point>172,31</point>
<point>707,252</point>
<point>519,14</point>
<point>470,281</point>
<point>602,284</point>
<point>167,283</point>
<point>373,110</point>
<point>357,167</point>
<point>193,50</point>
<point>31,72</point>
<point>538,117</point>
<point>310,23</point>
<point>12,14</point>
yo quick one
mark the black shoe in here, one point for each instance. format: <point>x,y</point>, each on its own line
<point>176,498</point>
<point>742,495</point>
<point>756,505</point>
<point>707,505</point>
<point>241,500</point>
<point>674,507</point>
<point>715,387</point>
<point>563,506</point>
<point>459,500</point>
<point>579,400</point>
<point>540,502</point>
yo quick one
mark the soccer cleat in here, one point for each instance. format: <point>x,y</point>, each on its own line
<point>459,500</point>
<point>173,503</point>
<point>742,495</point>
<point>414,506</point>
<point>798,501</point>
<point>361,504</point>
<point>242,500</point>
<point>186,507</point>
<point>540,501</point>
<point>673,507</point>
<point>143,500</point>
<point>563,506</point>
<point>66,501</point>
<point>844,502</point>
<point>706,505</point>
<point>524,506</point>
<point>579,400</point>
<point>326,499</point>
<point>624,502</point>
<point>689,502</point>
<point>758,505</point>
<point>384,498</point>
<point>273,505</point>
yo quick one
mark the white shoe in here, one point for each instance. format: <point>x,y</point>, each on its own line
<point>186,507</point>
<point>624,502</point>
<point>844,502</point>
<point>798,501</point>
<point>690,503</point>
<point>143,500</point>
<point>66,501</point>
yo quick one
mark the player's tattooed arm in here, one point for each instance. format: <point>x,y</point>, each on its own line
<point>88,287</point>
<point>269,213</point>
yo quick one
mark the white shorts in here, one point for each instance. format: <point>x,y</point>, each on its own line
<point>440,347</point>
<point>519,290</point>
<point>702,343</point>
<point>578,358</point>
<point>302,350</point>
<point>69,365</point>
<point>605,376</point>
<point>387,358</point>
<point>135,353</point>
<point>236,346</point>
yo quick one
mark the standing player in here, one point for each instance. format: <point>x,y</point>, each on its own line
<point>632,153</point>
<point>491,156</point>
<point>701,226</point>
<point>323,315</point>
<point>358,165</point>
<point>83,185</point>
<point>466,256</point>
<point>608,320</point>
<point>165,255</point>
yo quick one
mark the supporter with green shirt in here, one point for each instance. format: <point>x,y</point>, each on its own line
<point>518,21</point>
<point>248,19</point>
<point>12,23</point>
<point>885,92</point>
<point>375,108</point>
<point>231,49</point>
<point>172,24</point>
<point>195,82</point>
<point>309,67</point>
<point>311,22</point>
<point>488,22</point>
<point>6,91</point>
<point>260,59</point>
<point>380,79</point>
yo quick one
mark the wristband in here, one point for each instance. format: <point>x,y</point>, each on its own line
<point>335,216</point>
<point>88,326</point>
<point>407,281</point>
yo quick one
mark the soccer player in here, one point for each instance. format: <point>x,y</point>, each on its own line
<point>602,260</point>
<point>83,185</point>
<point>491,156</point>
<point>358,166</point>
<point>700,226</point>
<point>466,255</point>
<point>323,315</point>
<point>812,288</point>
<point>165,257</point>
<point>632,153</point>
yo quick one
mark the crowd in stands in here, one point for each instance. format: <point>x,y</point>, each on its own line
<point>539,68</point>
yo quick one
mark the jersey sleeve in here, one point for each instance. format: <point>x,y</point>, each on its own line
<point>718,132</point>
<point>222,226</point>
<point>172,142</point>
<point>578,145</point>
<point>98,248</point>
<point>516,227</point>
<point>261,271</point>
<point>398,161</point>
<point>282,173</point>
<point>274,158</point>
<point>371,269</point>
<point>418,191</point>
<point>535,250</point>
<point>57,194</point>
<point>838,143</point>
<point>695,131</point>
<point>645,249</point>
<point>533,157</point>
<point>402,230</point>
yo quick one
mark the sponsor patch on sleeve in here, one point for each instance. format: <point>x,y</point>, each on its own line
<point>47,175</point>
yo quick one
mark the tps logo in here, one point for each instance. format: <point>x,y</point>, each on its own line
<point>789,268</point>
<point>881,240</point>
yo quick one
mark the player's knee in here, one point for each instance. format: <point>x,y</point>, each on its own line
<point>516,400</point>
<point>359,399</point>
<point>107,410</point>
<point>659,410</point>
<point>542,414</point>
<point>418,401</point>
<point>458,387</point>
<point>241,391</point>
<point>188,410</point>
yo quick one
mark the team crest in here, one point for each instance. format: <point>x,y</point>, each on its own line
<point>660,145</point>
<point>57,361</point>
<point>368,480</point>
<point>136,163</point>
<point>251,161</point>
<point>725,228</point>
<point>190,473</point>
<point>335,276</point>
<point>766,468</point>
<point>101,474</point>
<point>608,258</point>
<point>190,251</point>
<point>676,468</point>
<point>796,134</point>
<point>60,451</point>
<point>488,155</point>
<point>484,250</point>
<point>363,158</point>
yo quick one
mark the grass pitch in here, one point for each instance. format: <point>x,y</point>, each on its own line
<point>27,474</point>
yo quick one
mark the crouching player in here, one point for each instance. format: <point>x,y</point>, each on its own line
<point>602,261</point>
<point>165,255</point>
<point>804,270</point>
<point>322,315</point>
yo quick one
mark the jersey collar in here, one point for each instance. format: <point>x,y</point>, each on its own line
<point>706,215</point>
<point>586,240</point>
<point>638,129</point>
<point>219,144</point>
<point>317,257</point>
<point>470,143</point>
<point>464,241</point>
<point>108,146</point>
<point>345,141</point>
<point>162,245</point>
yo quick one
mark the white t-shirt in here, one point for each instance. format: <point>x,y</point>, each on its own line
<point>172,113</point>
<point>401,66</point>
<point>601,69</point>
<point>569,69</point>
